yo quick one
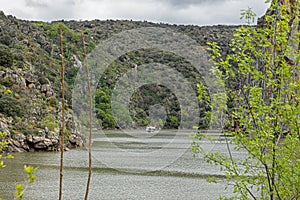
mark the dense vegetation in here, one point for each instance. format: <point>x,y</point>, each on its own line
<point>149,94</point>
<point>263,117</point>
<point>30,70</point>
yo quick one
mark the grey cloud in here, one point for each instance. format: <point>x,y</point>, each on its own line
<point>74,2</point>
<point>186,3</point>
<point>36,4</point>
<point>200,12</point>
<point>49,10</point>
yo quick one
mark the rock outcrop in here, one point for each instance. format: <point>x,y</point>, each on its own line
<point>42,143</point>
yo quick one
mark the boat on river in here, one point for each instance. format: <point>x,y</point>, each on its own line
<point>150,129</point>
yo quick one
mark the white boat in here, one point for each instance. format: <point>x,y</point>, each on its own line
<point>150,128</point>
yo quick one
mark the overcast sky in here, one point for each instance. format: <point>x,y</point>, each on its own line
<point>198,12</point>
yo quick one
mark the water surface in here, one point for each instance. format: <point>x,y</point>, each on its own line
<point>126,165</point>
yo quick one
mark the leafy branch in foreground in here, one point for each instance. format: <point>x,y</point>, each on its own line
<point>20,188</point>
<point>3,144</point>
<point>262,77</point>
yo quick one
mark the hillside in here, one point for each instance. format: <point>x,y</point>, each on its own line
<point>30,102</point>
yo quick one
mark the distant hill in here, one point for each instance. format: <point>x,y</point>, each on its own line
<point>30,86</point>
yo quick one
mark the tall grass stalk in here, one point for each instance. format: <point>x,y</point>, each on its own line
<point>91,116</point>
<point>62,135</point>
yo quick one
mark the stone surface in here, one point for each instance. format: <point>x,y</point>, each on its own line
<point>37,143</point>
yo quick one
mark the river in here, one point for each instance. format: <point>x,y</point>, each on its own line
<point>126,165</point>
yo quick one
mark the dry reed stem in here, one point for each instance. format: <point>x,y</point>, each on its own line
<point>91,117</point>
<point>62,135</point>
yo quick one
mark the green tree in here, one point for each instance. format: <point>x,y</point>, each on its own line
<point>174,122</point>
<point>262,75</point>
<point>108,121</point>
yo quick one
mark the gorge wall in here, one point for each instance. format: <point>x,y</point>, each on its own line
<point>30,86</point>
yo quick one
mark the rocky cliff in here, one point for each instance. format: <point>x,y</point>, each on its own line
<point>30,86</point>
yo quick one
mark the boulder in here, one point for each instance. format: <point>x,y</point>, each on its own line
<point>47,90</point>
<point>40,145</point>
<point>76,140</point>
<point>4,127</point>
<point>55,141</point>
<point>15,149</point>
<point>37,139</point>
<point>14,146</point>
<point>30,78</point>
<point>48,142</point>
<point>29,138</point>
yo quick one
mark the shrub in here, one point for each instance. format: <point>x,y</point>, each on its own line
<point>7,81</point>
<point>6,57</point>
<point>52,101</point>
<point>49,121</point>
<point>11,106</point>
<point>5,39</point>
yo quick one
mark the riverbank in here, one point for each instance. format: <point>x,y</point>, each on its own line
<point>37,139</point>
<point>47,142</point>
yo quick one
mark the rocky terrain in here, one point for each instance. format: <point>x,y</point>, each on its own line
<point>30,86</point>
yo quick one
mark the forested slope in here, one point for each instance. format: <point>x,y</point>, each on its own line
<point>30,86</point>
